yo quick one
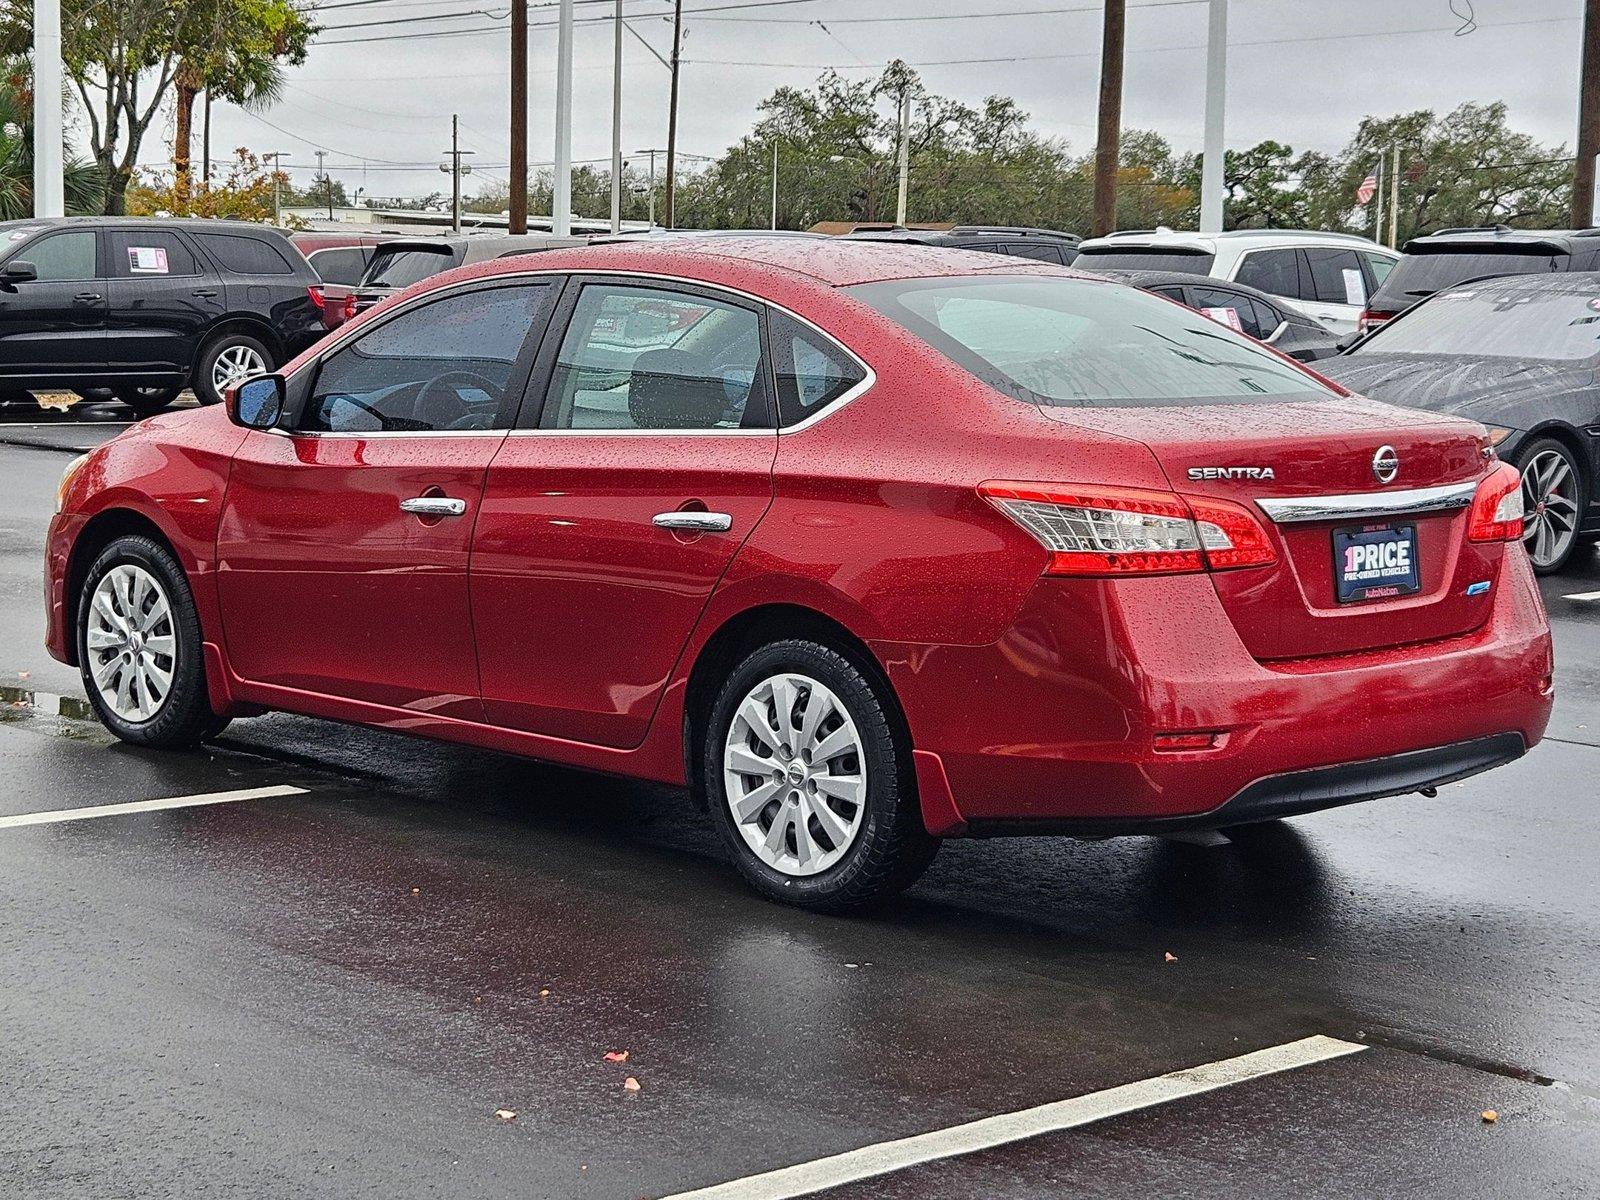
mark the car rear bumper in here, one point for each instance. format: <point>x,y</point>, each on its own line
<point>1052,728</point>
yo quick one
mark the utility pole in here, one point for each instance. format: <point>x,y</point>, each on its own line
<point>652,154</point>
<point>1107,143</point>
<point>672,113</point>
<point>456,170</point>
<point>904,154</point>
<point>49,151</point>
<point>1588,120</point>
<point>1394,200</point>
<point>616,120</point>
<point>327,184</point>
<point>277,157</point>
<point>1215,156</point>
<point>1383,183</point>
<point>517,222</point>
<point>205,145</point>
<point>561,190</point>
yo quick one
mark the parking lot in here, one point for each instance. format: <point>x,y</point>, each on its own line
<point>332,960</point>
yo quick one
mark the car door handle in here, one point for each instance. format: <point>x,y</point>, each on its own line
<point>206,292</point>
<point>693,521</point>
<point>86,297</point>
<point>434,506</point>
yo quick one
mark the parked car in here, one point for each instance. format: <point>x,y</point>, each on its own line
<point>1325,275</point>
<point>1046,245</point>
<point>1263,317</point>
<point>146,307</point>
<point>340,258</point>
<point>1034,552</point>
<point>1455,256</point>
<point>398,264</point>
<point>1521,354</point>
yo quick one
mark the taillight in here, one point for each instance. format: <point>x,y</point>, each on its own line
<point>1497,507</point>
<point>1128,531</point>
<point>317,298</point>
<point>1370,319</point>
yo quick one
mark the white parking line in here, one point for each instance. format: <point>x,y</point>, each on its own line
<point>869,1161</point>
<point>141,806</point>
<point>1582,596</point>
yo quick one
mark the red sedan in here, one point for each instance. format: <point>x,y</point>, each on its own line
<point>868,545</point>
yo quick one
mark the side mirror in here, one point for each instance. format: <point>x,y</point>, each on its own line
<point>256,403</point>
<point>17,271</point>
<point>1348,340</point>
<point>1283,328</point>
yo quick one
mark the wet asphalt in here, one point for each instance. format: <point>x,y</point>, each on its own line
<point>331,993</point>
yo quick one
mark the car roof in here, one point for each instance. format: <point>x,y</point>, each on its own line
<point>1487,237</point>
<point>933,237</point>
<point>1576,282</point>
<point>1148,279</point>
<point>1162,238</point>
<point>736,262</point>
<point>194,224</point>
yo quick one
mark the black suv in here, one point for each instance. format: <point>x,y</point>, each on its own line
<point>146,307</point>
<point>1450,257</point>
<point>1046,245</point>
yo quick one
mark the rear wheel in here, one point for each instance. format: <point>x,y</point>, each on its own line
<point>226,360</point>
<point>139,647</point>
<point>813,794</point>
<point>145,401</point>
<point>1554,497</point>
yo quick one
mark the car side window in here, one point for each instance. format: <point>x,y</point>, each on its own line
<point>1043,251</point>
<point>1217,302</point>
<point>811,371</point>
<point>654,358</point>
<point>1378,266</point>
<point>1276,272</point>
<point>245,255</point>
<point>344,265</point>
<point>1336,276</point>
<point>1267,318</point>
<point>149,254</point>
<point>62,257</point>
<point>442,366</point>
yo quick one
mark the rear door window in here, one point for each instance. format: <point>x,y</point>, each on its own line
<point>1276,272</point>
<point>150,254</point>
<point>1378,268</point>
<point>1336,276</point>
<point>1043,251</point>
<point>1217,302</point>
<point>245,255</point>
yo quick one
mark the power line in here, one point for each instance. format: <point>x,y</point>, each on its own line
<point>496,28</point>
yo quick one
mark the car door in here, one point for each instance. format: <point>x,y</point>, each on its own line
<point>163,297</point>
<point>1337,291</point>
<point>54,326</point>
<point>641,463</point>
<point>343,544</point>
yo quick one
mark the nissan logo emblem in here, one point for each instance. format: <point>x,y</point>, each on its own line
<point>1385,464</point>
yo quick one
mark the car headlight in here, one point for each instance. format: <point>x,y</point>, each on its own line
<point>1498,433</point>
<point>67,475</point>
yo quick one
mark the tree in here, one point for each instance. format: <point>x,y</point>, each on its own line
<point>245,194</point>
<point>83,185</point>
<point>233,48</point>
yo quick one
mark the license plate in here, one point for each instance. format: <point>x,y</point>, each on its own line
<point>1375,562</point>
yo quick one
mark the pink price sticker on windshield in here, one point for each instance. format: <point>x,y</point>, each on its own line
<point>1595,304</point>
<point>147,260</point>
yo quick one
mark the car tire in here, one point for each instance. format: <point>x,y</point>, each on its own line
<point>139,647</point>
<point>1555,496</point>
<point>223,358</point>
<point>145,401</point>
<point>863,839</point>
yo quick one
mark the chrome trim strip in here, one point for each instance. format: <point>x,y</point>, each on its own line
<point>1362,505</point>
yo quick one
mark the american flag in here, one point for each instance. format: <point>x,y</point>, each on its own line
<point>1368,188</point>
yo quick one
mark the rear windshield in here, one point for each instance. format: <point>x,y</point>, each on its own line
<point>1559,322</point>
<point>402,268</point>
<point>1418,276</point>
<point>1079,342</point>
<point>1109,258</point>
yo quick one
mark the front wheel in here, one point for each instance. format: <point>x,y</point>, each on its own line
<point>226,360</point>
<point>139,647</point>
<point>1553,501</point>
<point>812,791</point>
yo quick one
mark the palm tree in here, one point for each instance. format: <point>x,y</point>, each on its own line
<point>85,189</point>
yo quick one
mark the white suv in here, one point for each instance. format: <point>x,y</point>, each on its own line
<point>1325,275</point>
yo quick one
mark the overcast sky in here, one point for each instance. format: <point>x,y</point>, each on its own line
<point>1301,71</point>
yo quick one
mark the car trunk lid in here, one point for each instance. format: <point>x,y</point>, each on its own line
<point>1317,458</point>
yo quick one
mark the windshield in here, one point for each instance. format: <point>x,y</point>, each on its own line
<point>1417,276</point>
<point>1060,341</point>
<point>1109,258</point>
<point>1560,321</point>
<point>402,268</point>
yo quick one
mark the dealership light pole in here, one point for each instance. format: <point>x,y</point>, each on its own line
<point>1215,156</point>
<point>616,120</point>
<point>904,155</point>
<point>561,191</point>
<point>49,151</point>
